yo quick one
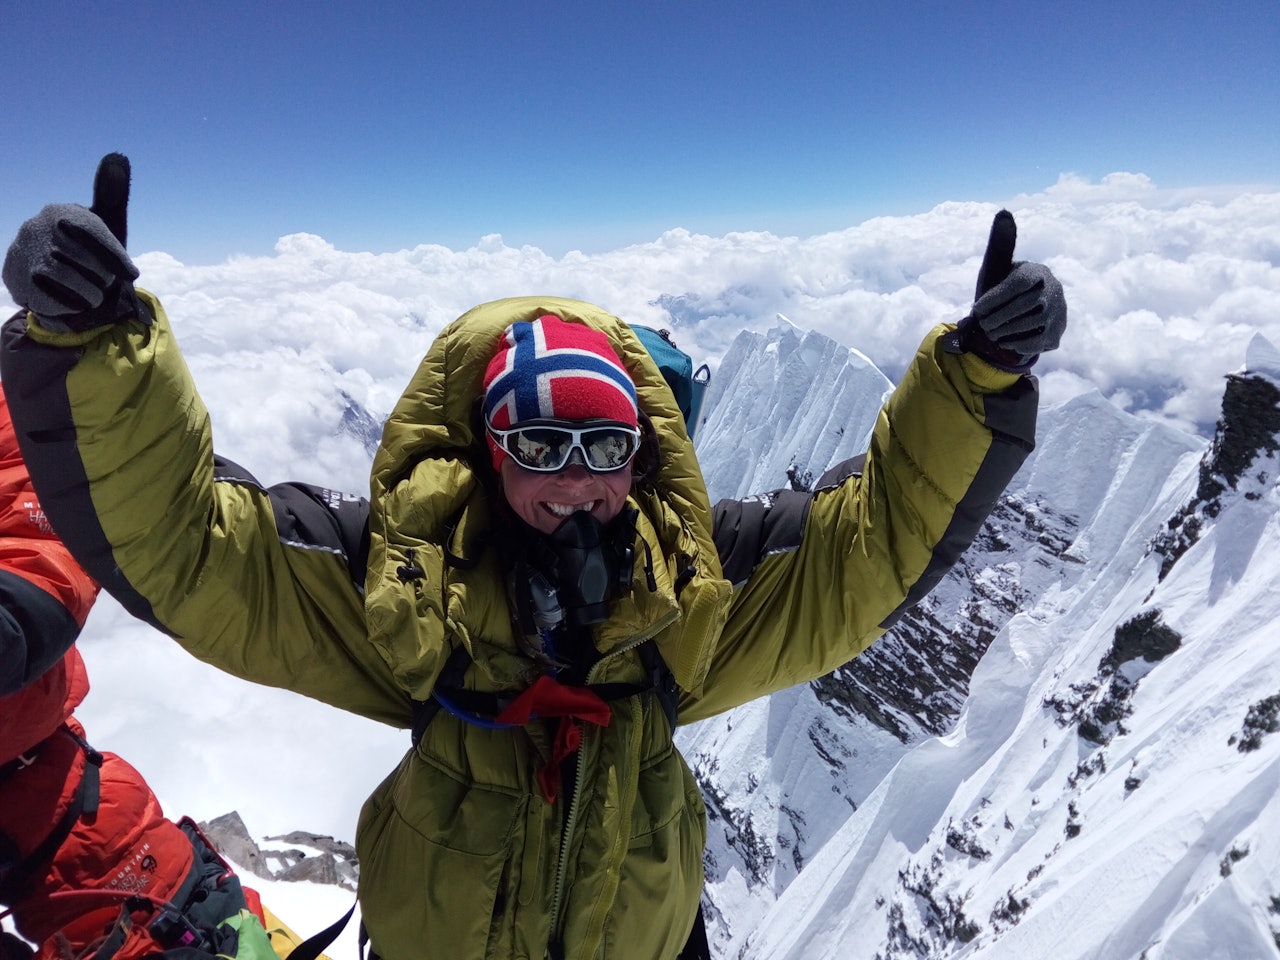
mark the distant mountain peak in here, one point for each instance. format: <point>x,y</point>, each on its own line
<point>294,856</point>
<point>359,423</point>
<point>785,404</point>
<point>782,326</point>
<point>1248,430</point>
<point>1262,358</point>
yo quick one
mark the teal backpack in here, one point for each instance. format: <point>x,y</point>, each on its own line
<point>688,385</point>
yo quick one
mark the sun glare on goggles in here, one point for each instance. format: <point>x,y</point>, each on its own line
<point>547,447</point>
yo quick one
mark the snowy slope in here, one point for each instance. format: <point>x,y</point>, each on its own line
<point>1014,834</point>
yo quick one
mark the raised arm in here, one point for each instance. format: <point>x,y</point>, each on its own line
<point>820,576</point>
<point>266,584</point>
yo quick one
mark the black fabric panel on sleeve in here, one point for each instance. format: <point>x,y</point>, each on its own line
<point>35,376</point>
<point>747,531</point>
<point>737,528</point>
<point>1011,415</point>
<point>842,471</point>
<point>312,517</point>
<point>36,631</point>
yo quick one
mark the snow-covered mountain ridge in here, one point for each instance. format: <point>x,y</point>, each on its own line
<point>1063,751</point>
<point>783,406</point>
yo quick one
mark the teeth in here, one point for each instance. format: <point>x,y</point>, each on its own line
<point>565,509</point>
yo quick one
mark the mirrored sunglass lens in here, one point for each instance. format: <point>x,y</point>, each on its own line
<point>540,449</point>
<point>608,449</point>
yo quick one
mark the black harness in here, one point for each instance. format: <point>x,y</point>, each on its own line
<point>481,709</point>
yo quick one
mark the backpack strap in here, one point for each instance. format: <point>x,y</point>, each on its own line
<point>450,679</point>
<point>697,947</point>
<point>663,682</point>
<point>91,782</point>
<point>83,802</point>
<point>121,929</point>
<point>317,943</point>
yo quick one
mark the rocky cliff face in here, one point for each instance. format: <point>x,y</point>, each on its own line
<point>293,856</point>
<point>915,679</point>
<point>1244,440</point>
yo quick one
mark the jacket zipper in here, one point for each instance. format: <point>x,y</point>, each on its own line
<point>566,838</point>
<point>571,819</point>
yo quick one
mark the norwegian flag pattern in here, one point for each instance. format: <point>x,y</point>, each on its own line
<point>558,370</point>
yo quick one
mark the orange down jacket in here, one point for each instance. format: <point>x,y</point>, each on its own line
<point>68,897</point>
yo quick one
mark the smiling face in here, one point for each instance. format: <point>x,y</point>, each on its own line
<point>545,500</point>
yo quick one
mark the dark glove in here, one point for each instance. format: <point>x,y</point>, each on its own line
<point>69,268</point>
<point>1020,310</point>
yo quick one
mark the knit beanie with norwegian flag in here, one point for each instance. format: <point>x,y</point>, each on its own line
<point>552,369</point>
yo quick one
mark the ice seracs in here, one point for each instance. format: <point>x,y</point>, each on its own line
<point>1262,359</point>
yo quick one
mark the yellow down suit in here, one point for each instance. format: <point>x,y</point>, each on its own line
<point>298,587</point>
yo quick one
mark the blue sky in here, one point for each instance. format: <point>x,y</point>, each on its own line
<point>592,126</point>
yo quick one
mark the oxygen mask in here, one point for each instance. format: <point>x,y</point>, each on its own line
<point>575,572</point>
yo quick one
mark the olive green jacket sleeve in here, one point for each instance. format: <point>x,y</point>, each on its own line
<point>261,583</point>
<point>819,577</point>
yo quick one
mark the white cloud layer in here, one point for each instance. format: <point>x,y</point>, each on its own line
<point>1165,291</point>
